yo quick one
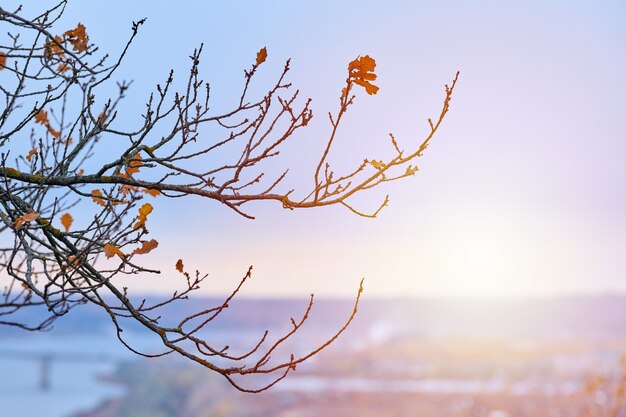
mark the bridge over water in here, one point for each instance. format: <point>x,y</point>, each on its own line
<point>45,359</point>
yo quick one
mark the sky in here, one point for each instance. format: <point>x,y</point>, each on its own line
<point>521,193</point>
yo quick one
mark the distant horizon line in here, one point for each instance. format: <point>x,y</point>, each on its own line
<point>383,297</point>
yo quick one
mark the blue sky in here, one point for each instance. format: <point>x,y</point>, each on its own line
<point>522,192</point>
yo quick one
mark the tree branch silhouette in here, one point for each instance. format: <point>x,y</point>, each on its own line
<point>50,82</point>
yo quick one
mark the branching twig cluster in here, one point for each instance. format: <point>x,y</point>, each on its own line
<point>49,85</point>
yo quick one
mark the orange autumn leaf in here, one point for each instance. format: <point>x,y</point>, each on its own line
<point>369,87</point>
<point>134,164</point>
<point>179,265</point>
<point>361,72</point>
<point>42,117</point>
<point>146,246</point>
<point>143,215</point>
<point>102,117</point>
<point>72,261</point>
<point>31,153</point>
<point>3,60</point>
<point>25,218</point>
<point>362,64</point>
<point>63,67</point>
<point>78,38</point>
<point>110,250</point>
<point>261,56</point>
<point>96,196</point>
<point>145,210</point>
<point>55,133</point>
<point>152,192</point>
<point>66,221</point>
<point>125,189</point>
<point>53,47</point>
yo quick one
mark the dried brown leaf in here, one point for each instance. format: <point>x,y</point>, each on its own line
<point>63,67</point>
<point>66,221</point>
<point>179,265</point>
<point>55,133</point>
<point>78,38</point>
<point>31,153</point>
<point>261,56</point>
<point>25,218</point>
<point>151,191</point>
<point>134,164</point>
<point>42,117</point>
<point>110,250</point>
<point>143,216</point>
<point>361,72</point>
<point>53,48</point>
<point>146,246</point>
<point>96,196</point>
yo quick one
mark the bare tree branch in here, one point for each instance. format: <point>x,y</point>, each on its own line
<point>50,80</point>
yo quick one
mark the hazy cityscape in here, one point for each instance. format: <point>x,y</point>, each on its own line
<point>420,358</point>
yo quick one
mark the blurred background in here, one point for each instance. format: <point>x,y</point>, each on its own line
<point>495,280</point>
